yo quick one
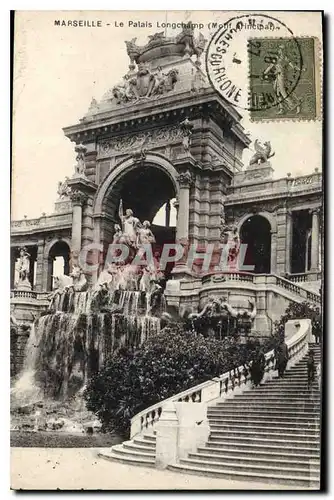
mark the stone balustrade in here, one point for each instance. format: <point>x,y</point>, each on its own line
<point>281,187</point>
<point>226,385</point>
<point>296,289</point>
<point>44,222</point>
<point>29,294</point>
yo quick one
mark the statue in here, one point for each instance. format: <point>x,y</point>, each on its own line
<point>64,189</point>
<point>262,153</point>
<point>80,166</point>
<point>123,92</point>
<point>144,83</point>
<point>230,237</point>
<point>130,225</point>
<point>145,235</point>
<point>23,269</point>
<point>216,312</point>
<point>79,279</point>
<point>164,82</point>
<point>186,127</point>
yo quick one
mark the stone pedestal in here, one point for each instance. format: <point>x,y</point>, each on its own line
<point>167,437</point>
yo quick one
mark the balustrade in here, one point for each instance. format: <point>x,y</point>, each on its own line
<point>226,383</point>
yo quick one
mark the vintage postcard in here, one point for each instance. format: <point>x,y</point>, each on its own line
<point>167,250</point>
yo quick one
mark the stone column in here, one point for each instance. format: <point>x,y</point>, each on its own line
<point>315,235</point>
<point>167,219</point>
<point>182,225</point>
<point>288,242</point>
<point>78,199</point>
<point>273,251</point>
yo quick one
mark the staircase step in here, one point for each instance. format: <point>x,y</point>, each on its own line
<point>258,445</point>
<point>264,452</point>
<point>294,480</point>
<point>224,439</point>
<point>256,412</point>
<point>110,455</point>
<point>232,427</point>
<point>137,447</point>
<point>241,421</point>
<point>264,433</point>
<point>263,406</point>
<point>286,398</point>
<point>119,449</point>
<point>141,441</point>
<point>276,462</point>
<point>246,467</point>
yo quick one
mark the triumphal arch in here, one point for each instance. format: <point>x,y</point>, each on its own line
<point>162,137</point>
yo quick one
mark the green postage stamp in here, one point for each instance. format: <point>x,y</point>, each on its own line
<point>283,80</point>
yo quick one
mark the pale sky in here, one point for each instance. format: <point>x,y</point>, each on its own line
<point>59,69</point>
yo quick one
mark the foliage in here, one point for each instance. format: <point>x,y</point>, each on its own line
<point>171,362</point>
<point>299,311</point>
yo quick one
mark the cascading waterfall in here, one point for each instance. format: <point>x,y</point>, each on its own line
<point>80,331</point>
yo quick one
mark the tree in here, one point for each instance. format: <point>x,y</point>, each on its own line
<point>167,364</point>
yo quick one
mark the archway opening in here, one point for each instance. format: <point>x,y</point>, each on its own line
<point>149,192</point>
<point>58,261</point>
<point>256,234</point>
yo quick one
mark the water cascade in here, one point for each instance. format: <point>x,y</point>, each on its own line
<point>71,341</point>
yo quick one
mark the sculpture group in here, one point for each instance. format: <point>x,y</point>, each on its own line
<point>144,83</point>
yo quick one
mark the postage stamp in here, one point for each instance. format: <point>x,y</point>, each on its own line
<point>282,78</point>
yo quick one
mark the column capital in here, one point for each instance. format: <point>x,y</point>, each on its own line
<point>185,179</point>
<point>315,211</point>
<point>78,197</point>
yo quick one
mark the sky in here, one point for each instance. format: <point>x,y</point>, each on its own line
<point>57,71</point>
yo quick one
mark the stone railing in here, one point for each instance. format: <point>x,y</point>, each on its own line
<point>296,289</point>
<point>228,276</point>
<point>306,180</point>
<point>43,222</point>
<point>226,384</point>
<point>304,277</point>
<point>29,294</point>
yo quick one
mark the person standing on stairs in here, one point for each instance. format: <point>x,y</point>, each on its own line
<point>257,366</point>
<point>282,357</point>
<point>311,370</point>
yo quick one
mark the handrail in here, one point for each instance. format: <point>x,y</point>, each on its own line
<point>225,383</point>
<point>297,289</point>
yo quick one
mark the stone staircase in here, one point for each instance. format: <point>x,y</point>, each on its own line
<point>270,434</point>
<point>139,451</point>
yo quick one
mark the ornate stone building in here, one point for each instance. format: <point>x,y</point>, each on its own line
<point>161,134</point>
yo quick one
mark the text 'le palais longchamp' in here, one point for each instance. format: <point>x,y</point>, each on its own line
<point>76,23</point>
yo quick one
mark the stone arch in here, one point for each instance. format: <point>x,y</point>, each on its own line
<point>155,160</point>
<point>57,247</point>
<point>256,231</point>
<point>102,213</point>
<point>270,218</point>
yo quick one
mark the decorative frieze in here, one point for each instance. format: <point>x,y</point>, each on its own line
<point>138,141</point>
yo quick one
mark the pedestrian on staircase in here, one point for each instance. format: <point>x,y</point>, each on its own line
<point>311,370</point>
<point>282,357</point>
<point>258,366</point>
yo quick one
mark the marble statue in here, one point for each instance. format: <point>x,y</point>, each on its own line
<point>63,188</point>
<point>186,127</point>
<point>145,235</point>
<point>80,166</point>
<point>262,153</point>
<point>23,269</point>
<point>130,225</point>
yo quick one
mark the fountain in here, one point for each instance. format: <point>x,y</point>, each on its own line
<point>82,327</point>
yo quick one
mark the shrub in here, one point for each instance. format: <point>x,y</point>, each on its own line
<point>164,365</point>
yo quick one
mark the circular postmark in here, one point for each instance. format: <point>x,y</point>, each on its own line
<point>255,62</point>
